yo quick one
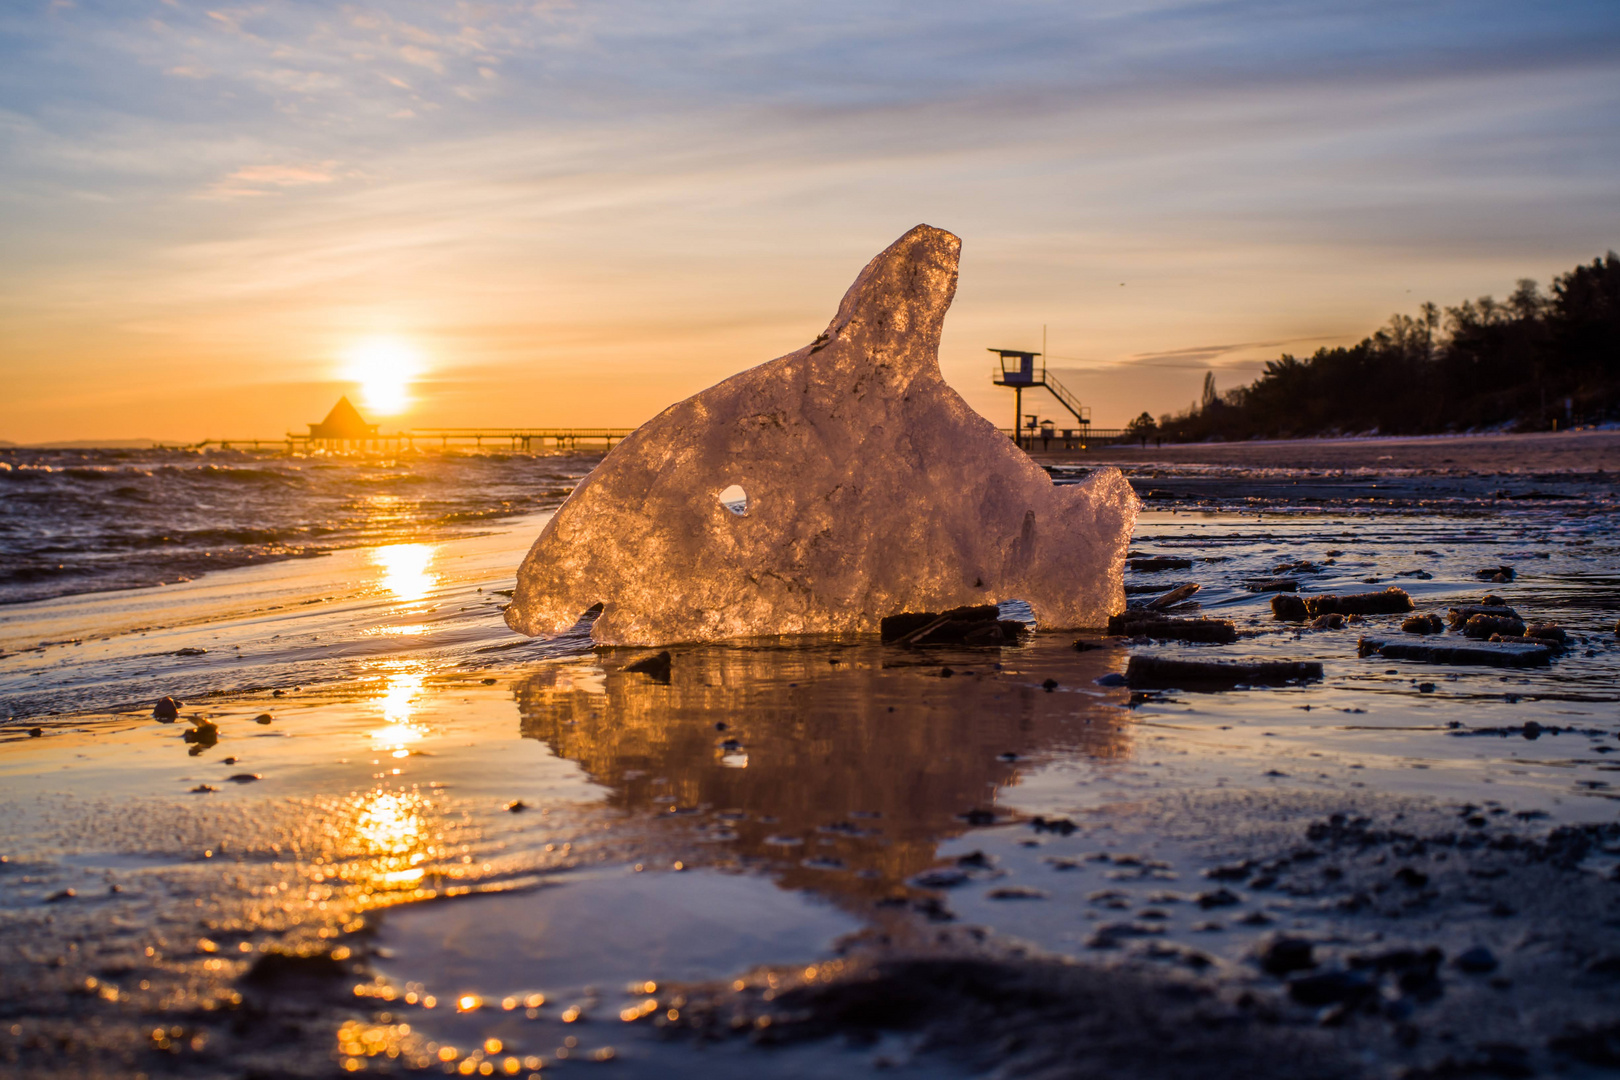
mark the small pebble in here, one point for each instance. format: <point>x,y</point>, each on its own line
<point>1476,961</point>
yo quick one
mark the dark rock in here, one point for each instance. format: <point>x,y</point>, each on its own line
<point>204,733</point>
<point>1139,623</point>
<point>1328,622</point>
<point>654,667</point>
<point>1476,961</point>
<point>1217,898</point>
<point>1604,967</point>
<point>280,968</point>
<point>244,777</point>
<point>1284,955</point>
<point>1547,631</point>
<point>35,732</point>
<point>1156,672</point>
<point>1496,574</point>
<point>1483,626</point>
<point>1049,685</point>
<point>61,895</point>
<point>1061,826</point>
<point>1392,601</point>
<point>1412,879</point>
<point>1332,988</point>
<point>263,718</point>
<point>203,789</point>
<point>168,709</point>
<point>1289,608</point>
<point>980,817</point>
<point>942,878</point>
<point>1417,973</point>
<point>1015,892</point>
<point>516,806</point>
<point>1160,562</point>
<point>1428,623</point>
<point>1113,678</point>
<point>1458,616</point>
<point>1273,585</point>
<point>1596,1045</point>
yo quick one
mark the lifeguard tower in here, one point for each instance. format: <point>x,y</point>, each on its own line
<point>1018,370</point>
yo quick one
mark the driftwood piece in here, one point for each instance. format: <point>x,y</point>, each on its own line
<point>1453,652</point>
<point>1162,673</point>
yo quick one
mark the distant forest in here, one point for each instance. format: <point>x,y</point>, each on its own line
<point>1535,361</point>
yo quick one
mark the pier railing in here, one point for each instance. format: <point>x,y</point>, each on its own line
<point>514,438</point>
<point>1066,438</point>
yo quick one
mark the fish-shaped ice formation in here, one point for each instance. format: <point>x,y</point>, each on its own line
<point>869,487</point>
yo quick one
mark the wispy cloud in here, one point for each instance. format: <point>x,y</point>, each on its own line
<point>252,180</point>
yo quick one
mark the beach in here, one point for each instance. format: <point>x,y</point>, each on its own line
<point>385,834</point>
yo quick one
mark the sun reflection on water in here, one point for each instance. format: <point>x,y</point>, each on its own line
<point>397,703</point>
<point>405,570</point>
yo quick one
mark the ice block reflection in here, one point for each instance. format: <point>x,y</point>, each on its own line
<point>840,767</point>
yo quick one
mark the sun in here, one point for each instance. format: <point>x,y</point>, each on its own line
<point>384,368</point>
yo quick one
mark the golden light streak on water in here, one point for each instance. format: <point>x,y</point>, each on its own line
<point>405,570</point>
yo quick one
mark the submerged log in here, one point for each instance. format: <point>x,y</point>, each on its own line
<point>1138,623</point>
<point>1161,673</point>
<point>978,625</point>
<point>1160,562</point>
<point>1473,652</point>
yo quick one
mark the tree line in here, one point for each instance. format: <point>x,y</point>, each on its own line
<point>1535,361</point>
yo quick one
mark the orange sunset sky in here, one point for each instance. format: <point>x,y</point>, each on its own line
<point>217,219</point>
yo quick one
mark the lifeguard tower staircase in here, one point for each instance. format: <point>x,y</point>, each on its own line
<point>1018,370</point>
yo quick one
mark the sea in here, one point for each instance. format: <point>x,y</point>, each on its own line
<point>79,521</point>
<point>385,834</point>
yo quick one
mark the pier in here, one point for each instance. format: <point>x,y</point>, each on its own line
<point>444,438</point>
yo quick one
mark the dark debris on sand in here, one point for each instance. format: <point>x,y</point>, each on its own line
<point>1019,1017</point>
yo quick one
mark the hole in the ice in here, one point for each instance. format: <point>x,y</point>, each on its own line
<point>735,499</point>
<point>1017,609</point>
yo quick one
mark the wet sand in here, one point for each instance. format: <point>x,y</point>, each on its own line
<point>452,851</point>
